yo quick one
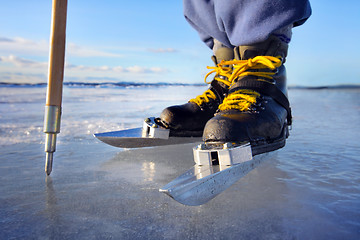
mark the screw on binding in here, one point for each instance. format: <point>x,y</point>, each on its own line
<point>227,145</point>
<point>201,146</point>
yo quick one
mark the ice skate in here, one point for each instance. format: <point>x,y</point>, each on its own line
<point>256,108</point>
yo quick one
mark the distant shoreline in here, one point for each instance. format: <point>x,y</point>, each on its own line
<point>345,86</point>
<point>160,84</point>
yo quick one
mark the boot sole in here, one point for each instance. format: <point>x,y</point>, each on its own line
<point>184,133</point>
<point>272,144</point>
<point>257,147</point>
<point>264,146</point>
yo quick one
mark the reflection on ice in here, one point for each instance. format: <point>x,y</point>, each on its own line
<point>52,211</point>
<point>148,169</point>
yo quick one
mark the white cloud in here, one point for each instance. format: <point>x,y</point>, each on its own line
<point>162,50</point>
<point>26,63</point>
<point>21,46</point>
<point>157,70</point>
<point>3,39</point>
<point>21,62</point>
<point>76,50</point>
<point>137,69</point>
<point>24,46</point>
<point>20,77</point>
<point>118,69</point>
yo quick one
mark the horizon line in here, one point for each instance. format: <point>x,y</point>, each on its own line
<point>126,83</point>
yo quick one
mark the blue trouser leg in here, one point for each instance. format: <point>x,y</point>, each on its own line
<point>243,22</point>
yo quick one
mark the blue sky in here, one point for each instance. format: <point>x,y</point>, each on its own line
<point>150,41</point>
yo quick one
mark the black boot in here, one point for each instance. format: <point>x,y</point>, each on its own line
<point>188,120</point>
<point>256,109</point>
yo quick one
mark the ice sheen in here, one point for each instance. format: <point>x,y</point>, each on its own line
<point>308,190</point>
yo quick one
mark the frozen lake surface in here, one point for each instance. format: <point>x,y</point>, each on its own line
<point>308,190</point>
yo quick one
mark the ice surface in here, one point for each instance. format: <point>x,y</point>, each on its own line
<point>308,190</point>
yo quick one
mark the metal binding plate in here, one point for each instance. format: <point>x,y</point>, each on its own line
<point>225,154</point>
<point>153,130</point>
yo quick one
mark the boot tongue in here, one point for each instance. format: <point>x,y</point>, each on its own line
<point>226,54</point>
<point>247,52</point>
<point>223,53</point>
<point>271,47</point>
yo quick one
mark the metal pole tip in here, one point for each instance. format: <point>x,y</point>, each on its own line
<point>49,161</point>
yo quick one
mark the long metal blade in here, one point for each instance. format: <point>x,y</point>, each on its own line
<point>132,138</point>
<point>200,184</point>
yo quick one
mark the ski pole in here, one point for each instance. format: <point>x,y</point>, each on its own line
<point>55,79</point>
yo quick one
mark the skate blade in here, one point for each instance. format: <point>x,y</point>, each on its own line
<point>150,135</point>
<point>218,166</point>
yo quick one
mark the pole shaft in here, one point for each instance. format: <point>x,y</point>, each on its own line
<point>55,79</point>
<point>57,53</point>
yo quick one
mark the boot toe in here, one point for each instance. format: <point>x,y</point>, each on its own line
<point>174,116</point>
<point>186,117</point>
<point>225,129</point>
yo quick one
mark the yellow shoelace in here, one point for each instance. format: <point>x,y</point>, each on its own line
<point>243,99</point>
<point>221,70</point>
